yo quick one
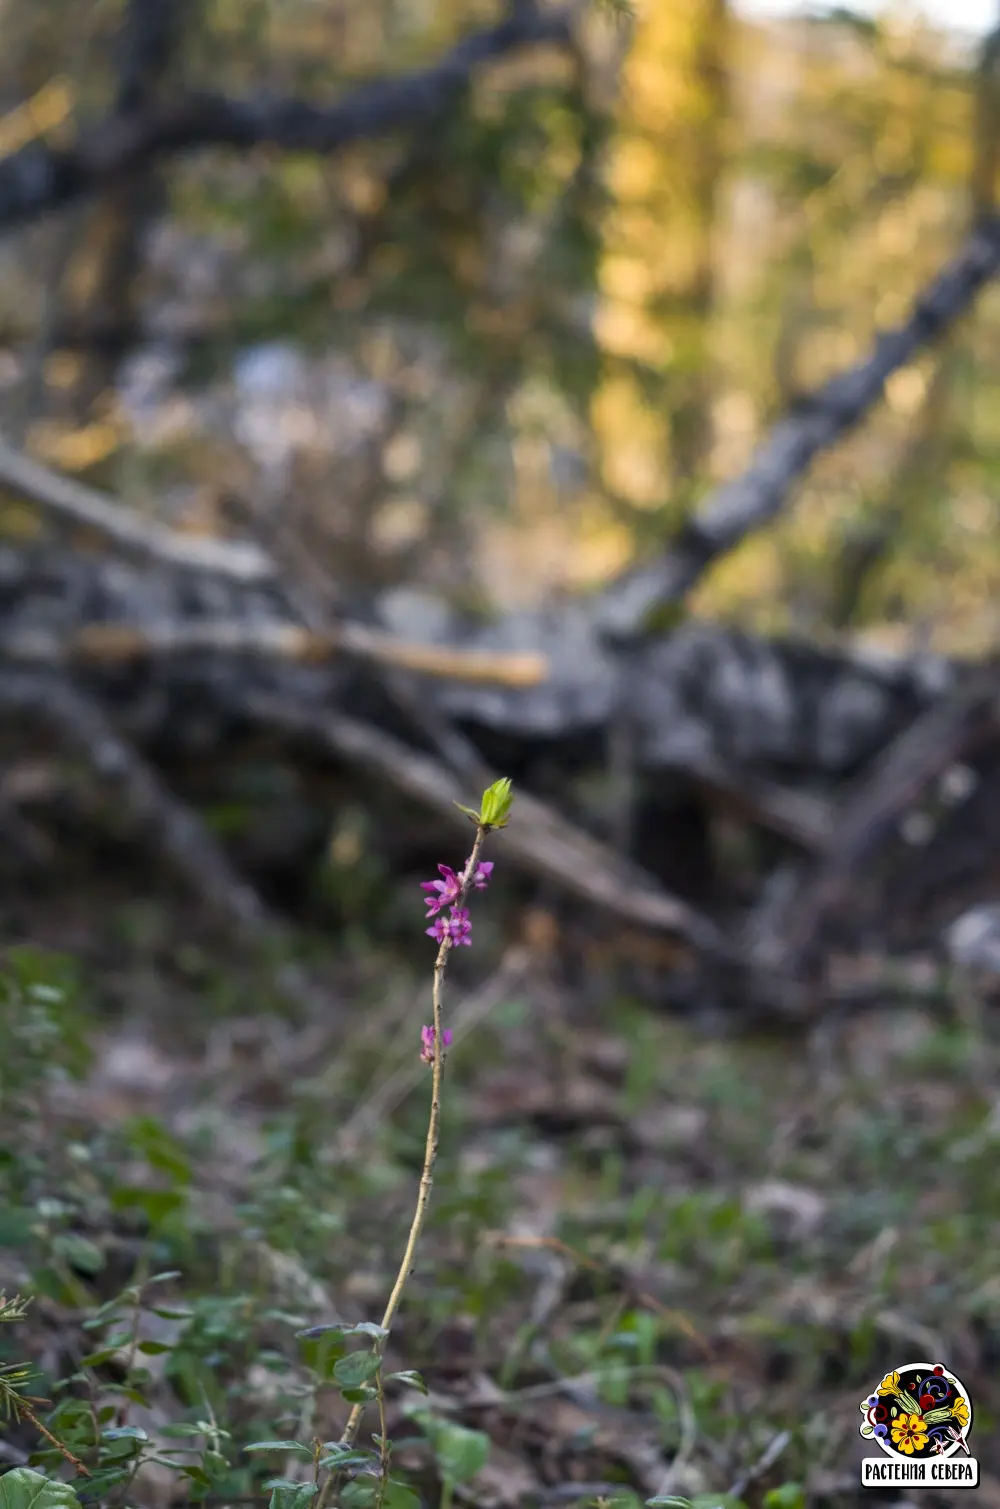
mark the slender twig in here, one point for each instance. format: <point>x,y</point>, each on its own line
<point>427,1174</point>
<point>23,1409</point>
<point>766,1460</point>
<point>383,1445</point>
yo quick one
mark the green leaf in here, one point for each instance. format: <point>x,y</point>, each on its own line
<point>360,1328</point>
<point>496,804</point>
<point>362,1395</point>
<point>411,1378</point>
<point>716,1501</point>
<point>22,1488</point>
<point>288,1494</point>
<point>197,1475</point>
<point>357,1367</point>
<point>124,1433</point>
<point>82,1254</point>
<point>668,1501</point>
<point>154,1348</point>
<point>398,1496</point>
<point>155,1204</point>
<point>360,1493</point>
<point>102,1481</point>
<point>346,1457</point>
<point>787,1496</point>
<point>15,1225</point>
<point>460,1452</point>
<point>96,1359</point>
<point>279,1446</point>
<point>162,1151</point>
<point>215,1463</point>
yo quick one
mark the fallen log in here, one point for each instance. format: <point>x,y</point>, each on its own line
<point>775,731</point>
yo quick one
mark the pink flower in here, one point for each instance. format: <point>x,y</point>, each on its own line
<point>427,1042</point>
<point>456,928</point>
<point>448,890</point>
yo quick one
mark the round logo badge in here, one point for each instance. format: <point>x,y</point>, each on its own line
<point>918,1413</point>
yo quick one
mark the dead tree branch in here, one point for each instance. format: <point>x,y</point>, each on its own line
<point>540,840</point>
<point>78,504</point>
<point>174,829</point>
<point>950,731</point>
<point>105,644</point>
<point>799,816</point>
<point>39,178</point>
<point>817,422</point>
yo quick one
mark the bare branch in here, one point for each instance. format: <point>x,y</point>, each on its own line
<point>79,504</point>
<point>816,423</point>
<point>39,179</point>
<point>539,839</point>
<point>176,830</point>
<point>803,818</point>
<point>104,643</point>
<point>948,732</point>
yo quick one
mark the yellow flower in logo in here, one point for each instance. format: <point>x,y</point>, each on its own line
<point>889,1384</point>
<point>909,1433</point>
<point>960,1412</point>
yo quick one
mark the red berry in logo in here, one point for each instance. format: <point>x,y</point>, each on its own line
<point>926,1401</point>
<point>939,1370</point>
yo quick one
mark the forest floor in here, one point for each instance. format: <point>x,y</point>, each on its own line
<point>658,1261</point>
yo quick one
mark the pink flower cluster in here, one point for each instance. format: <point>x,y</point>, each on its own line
<point>456,927</point>
<point>427,1043</point>
<point>449,888</point>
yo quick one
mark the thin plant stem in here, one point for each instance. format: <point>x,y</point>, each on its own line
<point>430,1158</point>
<point>22,1408</point>
<point>383,1445</point>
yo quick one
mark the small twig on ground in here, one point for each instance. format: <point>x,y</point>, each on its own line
<point>583,1260</point>
<point>763,1463</point>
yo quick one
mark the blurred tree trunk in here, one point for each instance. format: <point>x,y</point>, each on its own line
<point>659,265</point>
<point>100,311</point>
